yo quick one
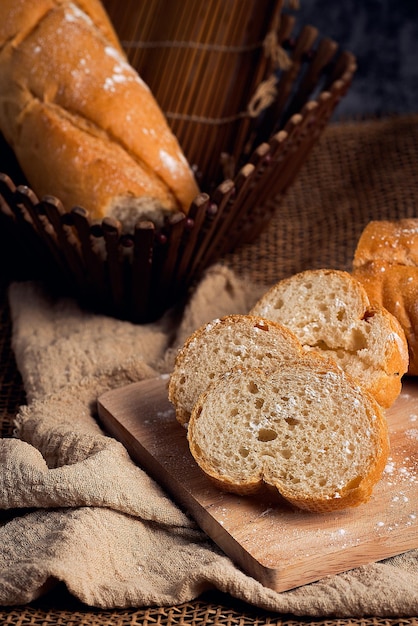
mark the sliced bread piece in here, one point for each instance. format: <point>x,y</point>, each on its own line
<point>330,312</point>
<point>216,347</point>
<point>306,429</point>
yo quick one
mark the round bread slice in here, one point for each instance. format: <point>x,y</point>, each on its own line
<point>306,429</point>
<point>329,311</point>
<point>216,347</point>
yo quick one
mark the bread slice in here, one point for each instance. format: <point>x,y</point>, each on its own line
<point>330,312</point>
<point>305,428</point>
<point>234,340</point>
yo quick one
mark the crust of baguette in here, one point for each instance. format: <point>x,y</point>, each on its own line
<point>66,86</point>
<point>386,263</point>
<point>393,241</point>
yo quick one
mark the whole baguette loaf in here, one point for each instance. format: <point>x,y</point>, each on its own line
<point>83,125</point>
<point>216,347</point>
<point>306,429</point>
<point>386,263</point>
<point>330,312</point>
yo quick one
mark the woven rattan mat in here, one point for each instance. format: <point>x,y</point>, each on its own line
<point>359,171</point>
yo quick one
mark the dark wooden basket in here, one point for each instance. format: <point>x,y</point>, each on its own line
<point>140,275</point>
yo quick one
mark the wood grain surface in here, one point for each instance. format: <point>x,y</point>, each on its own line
<point>277,544</point>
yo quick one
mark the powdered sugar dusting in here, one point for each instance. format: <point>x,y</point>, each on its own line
<point>401,345</point>
<point>122,72</point>
<point>169,162</point>
<point>412,433</point>
<point>74,14</point>
<point>401,471</point>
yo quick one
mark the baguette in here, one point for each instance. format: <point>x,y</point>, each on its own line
<point>234,340</point>
<point>330,312</point>
<point>386,263</point>
<point>83,125</point>
<point>306,429</point>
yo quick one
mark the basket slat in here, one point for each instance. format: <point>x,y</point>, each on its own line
<point>95,269</point>
<point>42,248</point>
<point>247,200</point>
<point>142,271</point>
<point>343,69</point>
<point>322,57</point>
<point>190,240</point>
<point>232,214</point>
<point>275,115</point>
<point>111,234</point>
<point>55,213</point>
<point>214,216</point>
<point>164,286</point>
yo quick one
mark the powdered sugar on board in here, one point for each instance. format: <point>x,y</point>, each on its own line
<point>281,546</point>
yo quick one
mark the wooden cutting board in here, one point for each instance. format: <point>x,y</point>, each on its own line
<point>279,545</point>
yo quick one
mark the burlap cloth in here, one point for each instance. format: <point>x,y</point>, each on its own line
<point>89,516</point>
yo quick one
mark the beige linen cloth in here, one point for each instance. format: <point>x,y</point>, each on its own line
<point>92,518</point>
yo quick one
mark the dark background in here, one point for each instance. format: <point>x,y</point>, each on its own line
<point>383,35</point>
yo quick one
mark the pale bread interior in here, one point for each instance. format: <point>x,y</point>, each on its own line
<point>216,347</point>
<point>306,429</point>
<point>329,311</point>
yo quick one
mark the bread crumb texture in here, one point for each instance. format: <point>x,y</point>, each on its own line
<point>219,346</point>
<point>306,429</point>
<point>330,312</point>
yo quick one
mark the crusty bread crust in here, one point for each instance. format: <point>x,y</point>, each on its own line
<point>394,241</point>
<point>82,123</point>
<point>387,385</point>
<point>334,456</point>
<point>330,312</point>
<point>386,263</point>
